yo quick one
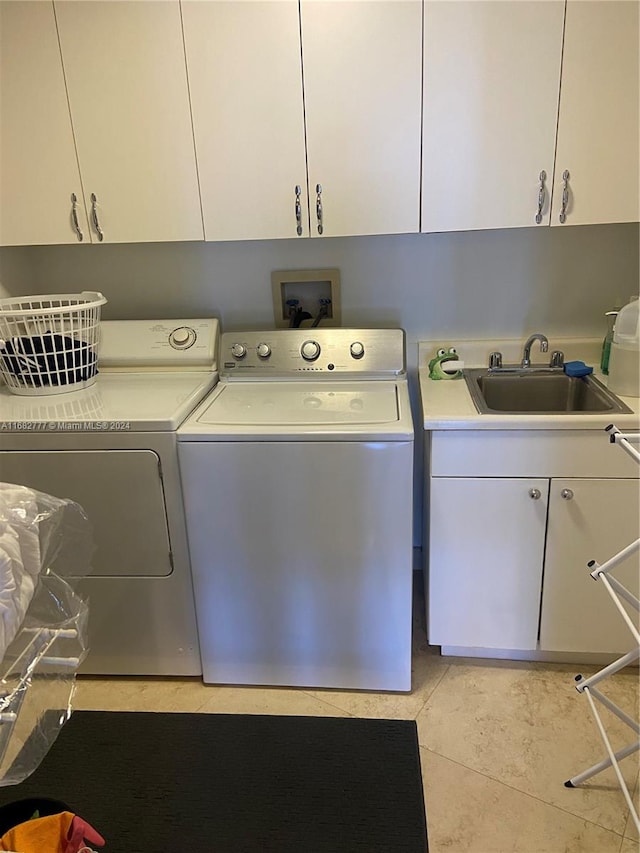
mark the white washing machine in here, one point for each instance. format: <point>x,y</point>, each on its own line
<point>112,448</point>
<point>297,476</point>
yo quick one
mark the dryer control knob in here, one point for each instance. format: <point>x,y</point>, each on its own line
<point>310,350</point>
<point>182,338</point>
<point>357,349</point>
<point>263,350</point>
<point>238,350</point>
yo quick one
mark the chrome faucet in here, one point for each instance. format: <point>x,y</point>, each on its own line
<point>526,352</point>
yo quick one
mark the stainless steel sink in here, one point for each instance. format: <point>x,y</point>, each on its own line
<point>538,392</point>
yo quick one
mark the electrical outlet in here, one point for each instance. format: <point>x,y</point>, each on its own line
<point>308,291</point>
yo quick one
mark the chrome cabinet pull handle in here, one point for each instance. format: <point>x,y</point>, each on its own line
<point>535,494</point>
<point>74,216</point>
<point>319,207</point>
<point>541,196</point>
<point>298,210</point>
<point>565,195</point>
<point>567,494</point>
<point>94,216</point>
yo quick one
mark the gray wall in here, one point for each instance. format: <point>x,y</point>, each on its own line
<point>454,285</point>
<point>478,284</point>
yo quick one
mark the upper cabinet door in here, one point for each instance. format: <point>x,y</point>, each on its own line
<point>245,80</point>
<point>598,121</point>
<point>491,85</point>
<point>362,83</point>
<point>127,85</point>
<point>38,165</point>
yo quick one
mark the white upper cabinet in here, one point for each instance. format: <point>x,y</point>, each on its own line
<point>362,74</point>
<point>127,85</point>
<point>491,86</point>
<point>38,166</point>
<point>598,122</point>
<point>245,79</point>
<point>314,117</point>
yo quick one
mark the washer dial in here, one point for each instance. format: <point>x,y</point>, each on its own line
<point>238,350</point>
<point>310,350</point>
<point>182,338</point>
<point>357,349</point>
<point>263,350</point>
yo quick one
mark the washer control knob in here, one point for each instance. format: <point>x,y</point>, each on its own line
<point>263,350</point>
<point>182,338</point>
<point>238,350</point>
<point>357,349</point>
<point>310,350</point>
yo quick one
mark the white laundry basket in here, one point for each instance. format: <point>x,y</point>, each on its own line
<point>49,344</point>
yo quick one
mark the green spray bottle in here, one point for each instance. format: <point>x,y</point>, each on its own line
<point>608,339</point>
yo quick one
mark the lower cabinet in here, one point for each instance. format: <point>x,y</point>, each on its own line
<point>507,555</point>
<point>588,520</point>
<point>486,548</point>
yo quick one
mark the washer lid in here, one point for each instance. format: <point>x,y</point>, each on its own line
<point>303,403</point>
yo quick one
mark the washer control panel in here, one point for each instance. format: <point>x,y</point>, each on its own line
<point>283,353</point>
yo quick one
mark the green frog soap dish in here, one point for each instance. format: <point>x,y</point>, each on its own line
<point>446,365</point>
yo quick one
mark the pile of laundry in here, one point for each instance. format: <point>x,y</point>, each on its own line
<point>26,830</point>
<point>48,359</point>
<point>44,541</point>
<point>20,558</point>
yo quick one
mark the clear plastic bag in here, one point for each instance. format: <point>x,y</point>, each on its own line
<point>43,622</point>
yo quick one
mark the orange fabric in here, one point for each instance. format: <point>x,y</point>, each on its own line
<point>41,835</point>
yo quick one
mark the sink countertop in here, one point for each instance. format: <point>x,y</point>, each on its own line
<point>447,404</point>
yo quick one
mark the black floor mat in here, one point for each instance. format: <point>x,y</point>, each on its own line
<point>227,783</point>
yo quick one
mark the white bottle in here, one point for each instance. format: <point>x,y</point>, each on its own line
<point>624,361</point>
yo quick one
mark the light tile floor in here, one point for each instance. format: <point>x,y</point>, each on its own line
<point>497,741</point>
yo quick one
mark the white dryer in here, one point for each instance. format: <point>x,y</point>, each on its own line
<point>297,477</point>
<point>112,448</point>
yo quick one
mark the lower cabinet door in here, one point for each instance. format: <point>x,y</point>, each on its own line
<point>486,548</point>
<point>588,520</point>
